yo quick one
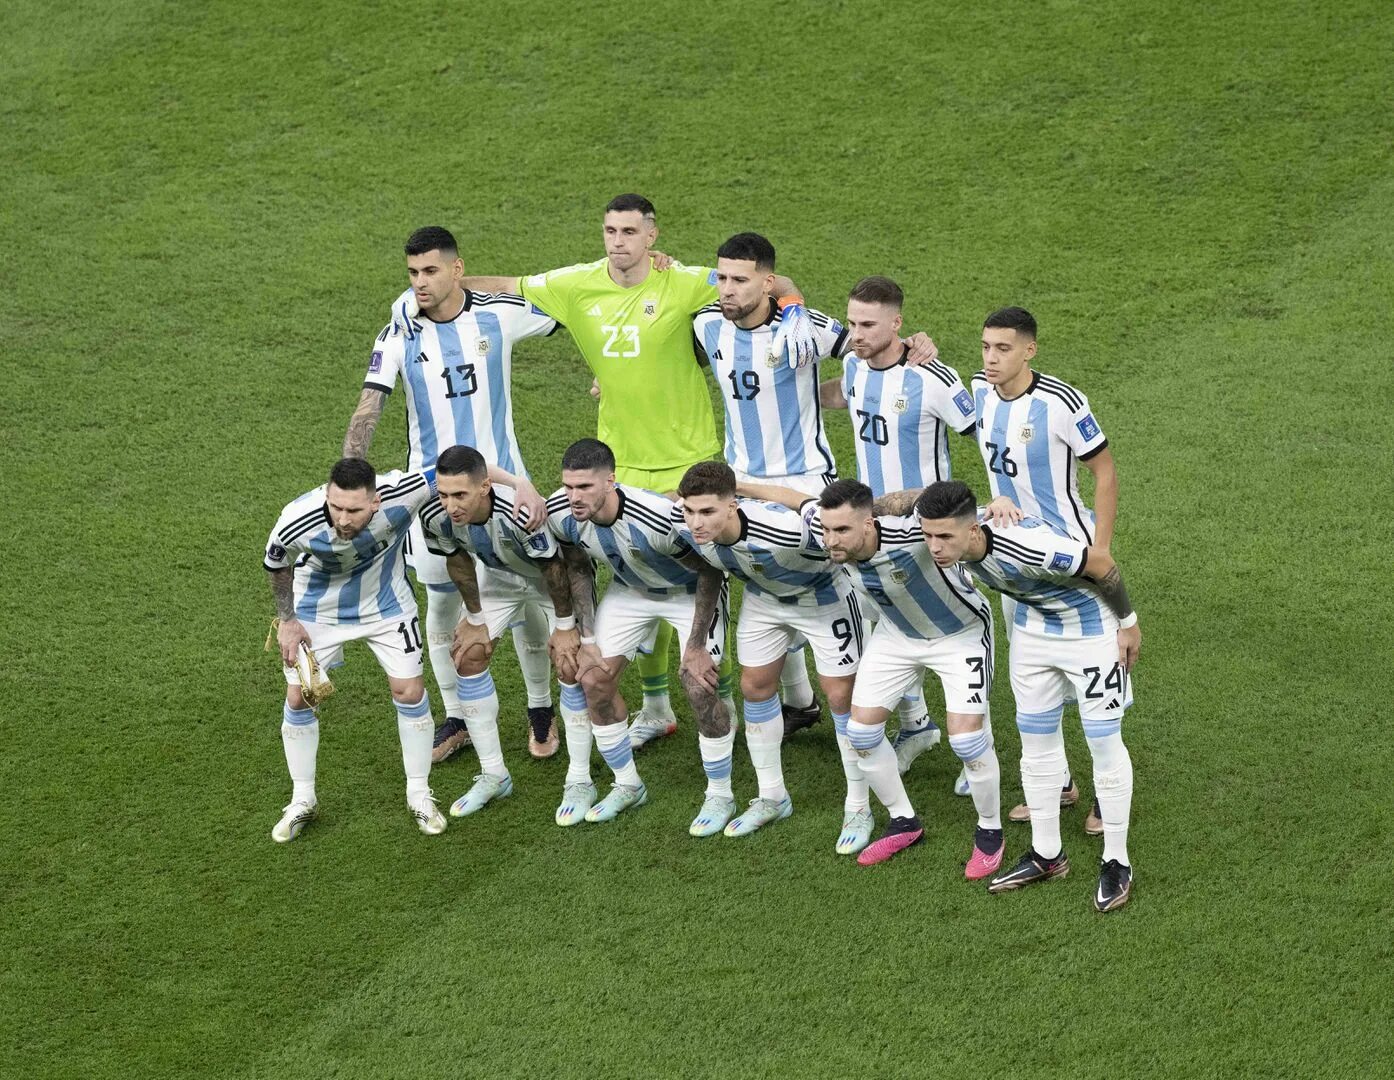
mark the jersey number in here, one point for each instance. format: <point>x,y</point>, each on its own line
<point>1112,681</point>
<point>842,630</point>
<point>1001,460</point>
<point>749,382</point>
<point>975,665</point>
<point>625,337</point>
<point>873,429</point>
<point>411,636</point>
<point>467,385</point>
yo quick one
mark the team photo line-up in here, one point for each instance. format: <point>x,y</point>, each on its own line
<point>877,577</point>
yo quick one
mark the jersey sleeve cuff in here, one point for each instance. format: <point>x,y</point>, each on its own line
<point>368,384</point>
<point>1102,446</point>
<point>971,429</point>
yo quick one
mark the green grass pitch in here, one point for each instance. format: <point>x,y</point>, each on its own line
<point>201,221</point>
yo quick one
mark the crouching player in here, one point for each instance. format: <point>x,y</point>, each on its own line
<point>791,588</point>
<point>930,619</point>
<point>658,580</point>
<point>470,519</point>
<point>335,559</point>
<point>1074,629</point>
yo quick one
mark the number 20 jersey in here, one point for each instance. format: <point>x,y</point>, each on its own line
<point>456,376</point>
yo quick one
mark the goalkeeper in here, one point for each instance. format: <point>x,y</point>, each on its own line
<point>633,325</point>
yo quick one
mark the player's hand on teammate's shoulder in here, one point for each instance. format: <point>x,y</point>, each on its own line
<point>290,635</point>
<point>595,389</point>
<point>530,509</point>
<point>1003,512</point>
<point>660,260</point>
<point>922,349</point>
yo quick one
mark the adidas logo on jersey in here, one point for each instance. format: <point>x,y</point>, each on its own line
<point>594,312</point>
<point>976,699</point>
<point>421,358</point>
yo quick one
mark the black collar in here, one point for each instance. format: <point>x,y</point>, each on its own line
<point>469,299</point>
<point>1031,389</point>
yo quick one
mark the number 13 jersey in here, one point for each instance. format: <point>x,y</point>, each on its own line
<point>456,375</point>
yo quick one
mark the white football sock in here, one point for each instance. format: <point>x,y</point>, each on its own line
<point>975,749</point>
<point>442,614</point>
<point>530,642</point>
<point>858,794</point>
<point>415,731</point>
<point>1113,784</point>
<point>480,703</point>
<point>794,686</point>
<point>764,731</point>
<point>879,766</point>
<point>1043,774</point>
<point>716,762</point>
<point>912,711</point>
<point>613,740</point>
<point>577,722</point>
<point>300,739</point>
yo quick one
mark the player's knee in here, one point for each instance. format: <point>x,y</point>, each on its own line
<point>597,683</point>
<point>962,723</point>
<point>470,666</point>
<point>759,684</point>
<point>839,693</point>
<point>408,691</point>
<point>295,699</point>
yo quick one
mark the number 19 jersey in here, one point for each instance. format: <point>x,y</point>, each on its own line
<point>655,410</point>
<point>901,417</point>
<point>456,375</point>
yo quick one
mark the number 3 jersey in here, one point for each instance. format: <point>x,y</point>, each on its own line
<point>901,418</point>
<point>1032,445</point>
<point>456,376</point>
<point>1041,570</point>
<point>774,421</point>
<point>362,580</point>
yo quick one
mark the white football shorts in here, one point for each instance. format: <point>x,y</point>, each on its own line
<point>425,563</point>
<point>504,598</point>
<point>396,642</point>
<point>628,619</point>
<point>1048,672</point>
<point>895,664</point>
<point>811,484</point>
<point>767,630</point>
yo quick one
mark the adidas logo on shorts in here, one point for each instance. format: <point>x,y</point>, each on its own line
<point>846,661</point>
<point>976,699</point>
<point>1112,704</point>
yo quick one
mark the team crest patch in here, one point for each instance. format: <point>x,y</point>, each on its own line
<point>650,308</point>
<point>1087,427</point>
<point>771,360</point>
<point>900,577</point>
<point>538,542</point>
<point>375,362</point>
<point>900,404</point>
<point>482,346</point>
<point>964,401</point>
<point>1027,433</point>
<point>1061,561</point>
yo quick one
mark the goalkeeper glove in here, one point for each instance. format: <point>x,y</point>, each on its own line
<point>795,340</point>
<point>405,309</point>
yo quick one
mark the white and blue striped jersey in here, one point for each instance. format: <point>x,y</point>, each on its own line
<point>641,546</point>
<point>774,420</point>
<point>1041,570</point>
<point>362,580</point>
<point>919,598</point>
<point>1031,446</point>
<point>457,376</point>
<point>775,556</point>
<point>901,418</point>
<point>499,542</point>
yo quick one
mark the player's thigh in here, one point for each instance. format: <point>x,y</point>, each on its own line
<point>891,667</point>
<point>1102,687</point>
<point>625,622</point>
<point>327,644</point>
<point>834,634</point>
<point>397,645</point>
<point>679,612</point>
<point>963,663</point>
<point>426,564</point>
<point>763,633</point>
<point>1039,686</point>
<point>503,598</point>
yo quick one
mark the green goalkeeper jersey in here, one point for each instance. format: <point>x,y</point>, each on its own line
<point>655,409</point>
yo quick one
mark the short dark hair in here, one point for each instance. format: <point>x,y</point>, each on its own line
<point>462,461</point>
<point>946,499</point>
<point>588,454</point>
<point>353,474</point>
<point>708,478</point>
<point>433,238</point>
<point>621,203</point>
<point>1012,318</point>
<point>748,247</point>
<point>846,492</point>
<point>878,290</point>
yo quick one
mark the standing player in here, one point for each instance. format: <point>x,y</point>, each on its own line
<point>1076,636</point>
<point>1033,430</point>
<point>473,520</point>
<point>657,579</point>
<point>901,418</point>
<point>456,371</point>
<point>335,559</point>
<point>633,326</point>
<point>931,619</point>
<point>791,589</point>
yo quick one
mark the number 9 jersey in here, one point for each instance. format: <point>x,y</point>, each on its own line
<point>457,375</point>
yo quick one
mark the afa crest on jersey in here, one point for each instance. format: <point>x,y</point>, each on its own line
<point>771,360</point>
<point>1027,433</point>
<point>900,404</point>
<point>650,309</point>
<point>482,346</point>
<point>900,577</point>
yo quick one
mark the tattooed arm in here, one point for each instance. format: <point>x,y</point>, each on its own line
<point>896,503</point>
<point>696,661</point>
<point>364,422</point>
<point>1100,568</point>
<point>291,633</point>
<point>473,644</point>
<point>580,576</point>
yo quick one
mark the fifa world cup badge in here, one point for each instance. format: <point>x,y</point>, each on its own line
<point>482,347</point>
<point>1027,433</point>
